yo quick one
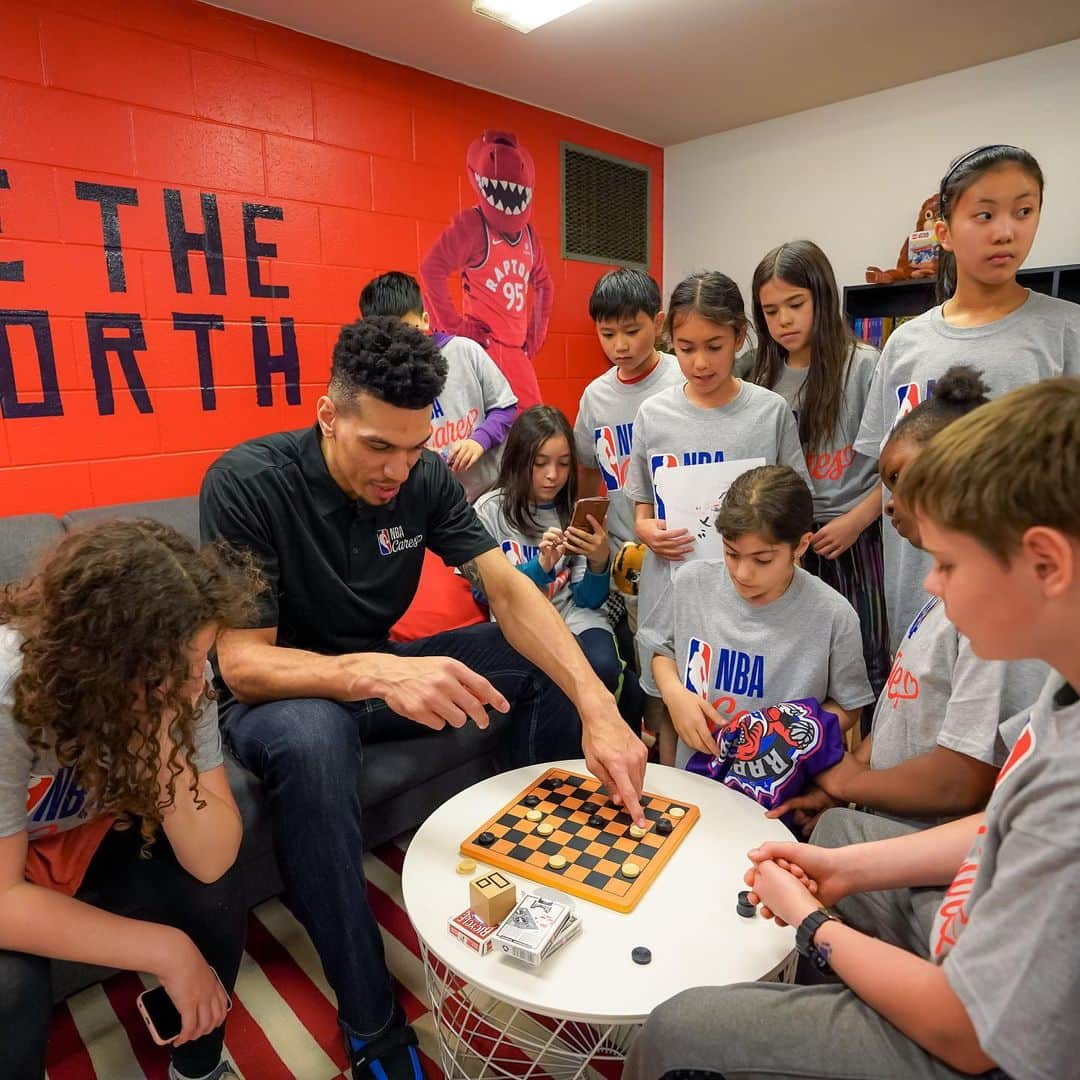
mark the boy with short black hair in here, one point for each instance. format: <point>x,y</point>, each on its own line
<point>988,982</point>
<point>626,307</point>
<point>470,418</point>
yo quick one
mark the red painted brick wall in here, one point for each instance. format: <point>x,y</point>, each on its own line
<point>103,398</point>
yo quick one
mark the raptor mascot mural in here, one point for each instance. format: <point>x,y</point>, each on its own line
<point>506,288</point>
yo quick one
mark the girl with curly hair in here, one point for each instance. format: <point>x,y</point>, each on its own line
<point>118,830</point>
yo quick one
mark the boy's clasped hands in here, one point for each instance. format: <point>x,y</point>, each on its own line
<point>791,880</point>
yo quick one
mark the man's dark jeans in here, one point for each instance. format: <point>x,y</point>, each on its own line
<point>308,754</point>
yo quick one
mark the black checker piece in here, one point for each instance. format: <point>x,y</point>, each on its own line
<point>596,821</point>
<point>551,783</point>
<point>664,826</point>
<point>486,839</point>
<point>531,800</point>
<point>589,807</point>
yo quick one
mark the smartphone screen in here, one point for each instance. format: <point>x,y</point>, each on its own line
<point>160,1013</point>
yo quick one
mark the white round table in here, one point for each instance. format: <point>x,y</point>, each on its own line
<point>583,1006</point>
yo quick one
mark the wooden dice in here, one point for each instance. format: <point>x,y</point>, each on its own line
<point>492,898</point>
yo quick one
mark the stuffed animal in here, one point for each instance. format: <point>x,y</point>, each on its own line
<point>506,288</point>
<point>626,568</point>
<point>918,256</point>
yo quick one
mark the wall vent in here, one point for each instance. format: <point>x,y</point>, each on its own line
<point>605,208</point>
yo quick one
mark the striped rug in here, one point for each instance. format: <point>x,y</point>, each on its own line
<point>283,1023</point>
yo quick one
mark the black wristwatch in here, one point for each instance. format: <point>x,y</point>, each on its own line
<point>804,939</point>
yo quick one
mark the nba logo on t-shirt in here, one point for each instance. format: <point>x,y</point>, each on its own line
<point>607,458</point>
<point>656,463</point>
<point>908,396</point>
<point>385,547</point>
<point>699,668</point>
<point>513,551</point>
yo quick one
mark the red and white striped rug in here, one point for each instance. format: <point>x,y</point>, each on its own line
<point>283,1023</point>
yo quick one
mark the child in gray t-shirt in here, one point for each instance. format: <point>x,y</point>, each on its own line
<point>625,308</point>
<point>105,721</point>
<point>807,354</point>
<point>1040,339</point>
<point>528,515</point>
<point>604,434</point>
<point>935,747</point>
<point>737,643</point>
<point>475,408</point>
<point>712,417</point>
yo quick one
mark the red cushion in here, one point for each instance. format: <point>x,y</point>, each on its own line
<point>443,601</point>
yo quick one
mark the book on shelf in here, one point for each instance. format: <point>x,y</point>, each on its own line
<point>874,329</point>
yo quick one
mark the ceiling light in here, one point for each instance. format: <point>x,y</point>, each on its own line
<point>525,15</point>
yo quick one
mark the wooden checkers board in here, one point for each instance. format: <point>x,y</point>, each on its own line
<point>595,853</point>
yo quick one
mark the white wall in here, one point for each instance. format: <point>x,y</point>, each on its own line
<point>851,176</point>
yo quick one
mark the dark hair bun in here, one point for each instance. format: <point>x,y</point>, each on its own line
<point>961,386</point>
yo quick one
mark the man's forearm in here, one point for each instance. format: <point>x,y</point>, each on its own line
<point>259,672</point>
<point>536,630</point>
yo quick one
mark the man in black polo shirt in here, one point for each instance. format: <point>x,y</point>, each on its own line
<point>339,517</point>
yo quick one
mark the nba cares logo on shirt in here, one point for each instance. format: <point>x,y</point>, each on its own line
<point>613,454</point>
<point>698,675</point>
<point>393,540</point>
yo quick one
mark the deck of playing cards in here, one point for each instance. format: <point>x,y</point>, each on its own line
<point>538,926</point>
<point>473,931</point>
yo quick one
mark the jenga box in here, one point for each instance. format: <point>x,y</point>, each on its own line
<point>470,929</point>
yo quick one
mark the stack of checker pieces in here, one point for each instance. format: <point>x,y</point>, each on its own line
<point>593,856</point>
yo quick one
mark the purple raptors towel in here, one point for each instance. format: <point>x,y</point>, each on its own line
<point>769,754</point>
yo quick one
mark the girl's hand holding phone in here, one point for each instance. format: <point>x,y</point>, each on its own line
<point>592,543</point>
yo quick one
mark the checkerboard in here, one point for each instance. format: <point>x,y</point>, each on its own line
<point>594,855</point>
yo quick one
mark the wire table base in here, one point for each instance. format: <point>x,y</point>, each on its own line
<point>483,1038</point>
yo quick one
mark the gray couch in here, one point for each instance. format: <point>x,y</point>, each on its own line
<point>401,782</point>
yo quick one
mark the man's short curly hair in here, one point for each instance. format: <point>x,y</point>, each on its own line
<point>389,360</point>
